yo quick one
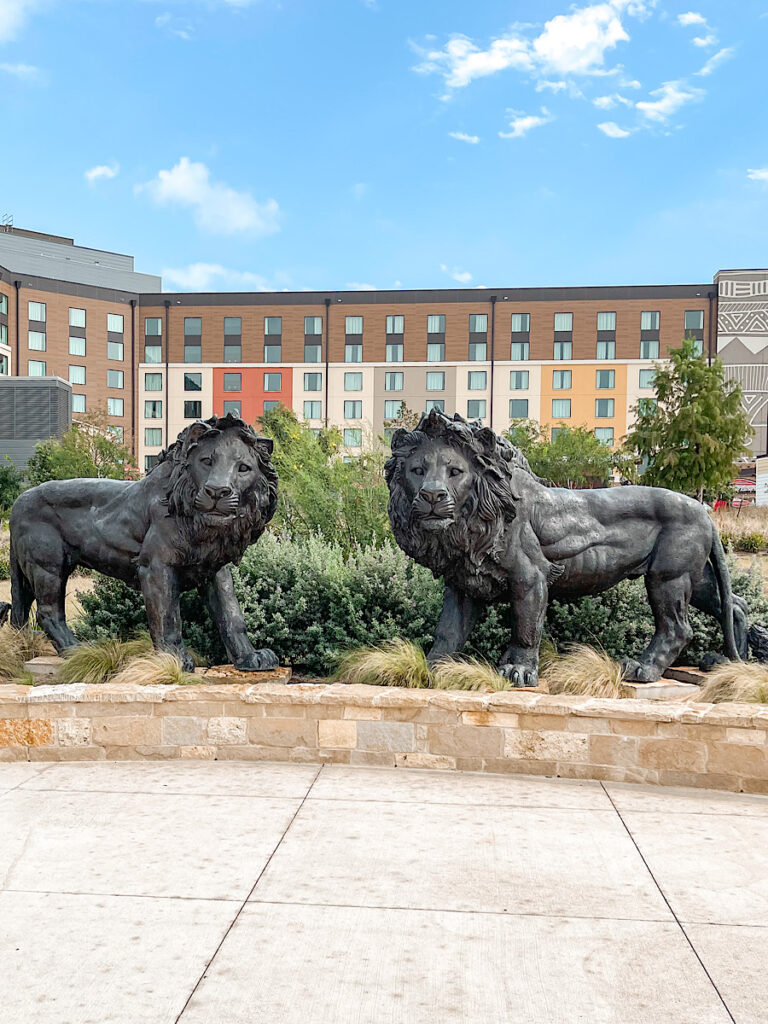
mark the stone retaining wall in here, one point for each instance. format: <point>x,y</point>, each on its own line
<point>678,744</point>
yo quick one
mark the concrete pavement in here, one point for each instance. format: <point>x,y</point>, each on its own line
<point>230,893</point>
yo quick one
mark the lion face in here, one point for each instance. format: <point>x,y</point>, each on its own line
<point>437,479</point>
<point>223,470</point>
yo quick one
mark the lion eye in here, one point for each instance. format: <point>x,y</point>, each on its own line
<point>455,471</point>
<point>418,471</point>
<point>206,461</point>
<point>244,468</point>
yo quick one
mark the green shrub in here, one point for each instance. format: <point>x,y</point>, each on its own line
<point>5,562</point>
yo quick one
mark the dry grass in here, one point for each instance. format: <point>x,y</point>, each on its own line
<point>392,663</point>
<point>736,682</point>
<point>99,661</point>
<point>18,646</point>
<point>156,669</point>
<point>584,670</point>
<point>468,674</point>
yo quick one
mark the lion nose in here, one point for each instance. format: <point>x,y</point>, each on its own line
<point>433,494</point>
<point>217,492</point>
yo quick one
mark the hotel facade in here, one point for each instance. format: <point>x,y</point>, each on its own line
<point>159,360</point>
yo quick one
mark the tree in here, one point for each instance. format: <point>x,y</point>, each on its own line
<point>11,483</point>
<point>87,449</point>
<point>695,429</point>
<point>406,418</point>
<point>573,457</point>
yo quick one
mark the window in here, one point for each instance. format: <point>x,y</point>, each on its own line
<point>233,352</point>
<point>647,378</point>
<point>353,437</point>
<point>37,311</point>
<point>604,435</point>
<point>273,353</point>
<point>313,325</point>
<point>115,406</point>
<point>477,351</point>
<point>193,327</point>
<point>117,432</point>
<point>646,405</point>
<point>435,403</point>
<point>604,408</point>
<point>353,409</point>
<point>353,353</point>
<point>521,323</point>
<point>313,410</point>
<point>519,351</point>
<point>435,381</point>
<point>3,303</point>
<point>78,403</point>
<point>273,382</point>
<point>153,409</point>
<point>435,351</point>
<point>115,379</point>
<point>77,375</point>
<point>233,326</point>
<point>698,346</point>
<point>518,380</point>
<point>605,379</point>
<point>153,437</point>
<point>269,406</point>
<point>152,353</point>
<point>273,325</point>
<point>233,382</point>
<point>36,368</point>
<point>649,321</point>
<point>353,382</point>
<point>392,409</point>
<point>4,334</point>
<point>193,382</point>
<point>393,381</point>
<point>563,349</point>
<point>436,324</point>
<point>192,353</point>
<point>313,352</point>
<point>518,408</point>
<point>193,409</point>
<point>606,321</point>
<point>478,323</point>
<point>394,352</point>
<point>476,408</point>
<point>561,380</point>
<point>477,380</point>
<point>354,325</point>
<point>153,326</point>
<point>115,323</point>
<point>37,341</point>
<point>649,350</point>
<point>153,382</point>
<point>313,381</point>
<point>563,321</point>
<point>77,346</point>
<point>232,408</point>
<point>561,408</point>
<point>150,461</point>
<point>694,319</point>
<point>395,324</point>
<point>606,350</point>
<point>3,366</point>
<point>76,317</point>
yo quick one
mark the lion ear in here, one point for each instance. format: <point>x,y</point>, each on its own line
<point>487,440</point>
<point>266,444</point>
<point>398,437</point>
<point>194,432</point>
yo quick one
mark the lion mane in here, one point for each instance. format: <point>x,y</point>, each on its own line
<point>468,547</point>
<point>257,504</point>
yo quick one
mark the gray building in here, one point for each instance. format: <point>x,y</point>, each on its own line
<point>32,409</point>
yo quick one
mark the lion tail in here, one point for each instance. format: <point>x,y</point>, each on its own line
<point>22,594</point>
<point>723,577</point>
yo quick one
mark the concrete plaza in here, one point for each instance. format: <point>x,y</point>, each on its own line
<point>242,893</point>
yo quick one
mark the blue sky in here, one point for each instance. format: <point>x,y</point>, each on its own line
<point>247,144</point>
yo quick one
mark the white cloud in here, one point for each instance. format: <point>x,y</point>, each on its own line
<point>551,86</point>
<point>462,61</point>
<point>576,43</point>
<point>758,173</point>
<point>200,277</point>
<point>102,171</point>
<point>175,26</point>
<point>671,97</point>
<point>609,102</point>
<point>521,123</point>
<point>360,286</point>
<point>612,130</point>
<point>708,40</point>
<point>26,72</point>
<point>715,60</point>
<point>462,276</point>
<point>463,137</point>
<point>14,14</point>
<point>216,207</point>
<point>691,18</point>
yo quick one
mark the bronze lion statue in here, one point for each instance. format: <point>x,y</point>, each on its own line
<point>210,496</point>
<point>464,503</point>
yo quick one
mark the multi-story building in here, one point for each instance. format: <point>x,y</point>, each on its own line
<point>578,356</point>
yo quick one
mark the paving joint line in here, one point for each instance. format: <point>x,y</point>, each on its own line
<point>23,782</point>
<point>671,909</point>
<point>244,903</point>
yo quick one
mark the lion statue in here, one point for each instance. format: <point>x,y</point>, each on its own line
<point>210,496</point>
<point>465,503</point>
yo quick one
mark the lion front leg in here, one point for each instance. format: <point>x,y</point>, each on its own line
<point>457,618</point>
<point>161,590</point>
<point>520,661</point>
<point>228,616</point>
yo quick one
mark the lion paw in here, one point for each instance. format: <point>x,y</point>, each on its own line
<point>258,661</point>
<point>639,671</point>
<point>520,675</point>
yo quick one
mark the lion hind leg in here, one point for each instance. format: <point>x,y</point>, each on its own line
<point>669,600</point>
<point>50,588</point>
<point>22,594</point>
<point>706,597</point>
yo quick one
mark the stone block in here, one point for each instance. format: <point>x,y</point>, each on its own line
<point>518,766</point>
<point>67,754</point>
<point>423,760</point>
<point>336,733</point>
<point>73,732</point>
<point>633,727</point>
<point>375,758</point>
<point>29,732</point>
<point>502,719</point>
<point>532,745</point>
<point>542,722</point>
<point>142,752</point>
<point>8,754</point>
<point>281,710</point>
<point>124,731</point>
<point>739,759</point>
<point>465,741</point>
<point>672,754</point>
<point>227,731</point>
<point>282,732</point>
<point>363,714</point>
<point>198,752</point>
<point>613,750</point>
<point>184,729</point>
<point>752,737</point>
<point>44,668</point>
<point>230,674</point>
<point>195,709</point>
<point>663,690</point>
<point>392,736</point>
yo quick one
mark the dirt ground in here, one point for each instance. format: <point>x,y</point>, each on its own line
<point>83,584</point>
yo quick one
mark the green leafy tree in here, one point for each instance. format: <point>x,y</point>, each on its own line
<point>11,483</point>
<point>695,429</point>
<point>87,449</point>
<point>573,457</point>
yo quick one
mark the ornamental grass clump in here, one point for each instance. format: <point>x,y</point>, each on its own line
<point>584,670</point>
<point>157,669</point>
<point>737,682</point>
<point>393,663</point>
<point>18,646</point>
<point>468,674</point>
<point>100,660</point>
